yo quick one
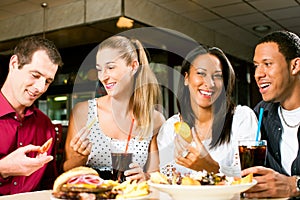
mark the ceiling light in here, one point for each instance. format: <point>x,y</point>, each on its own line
<point>261,28</point>
<point>125,22</point>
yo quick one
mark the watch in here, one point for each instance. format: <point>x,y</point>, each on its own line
<point>298,183</point>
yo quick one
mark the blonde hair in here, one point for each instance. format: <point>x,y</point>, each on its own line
<point>146,94</point>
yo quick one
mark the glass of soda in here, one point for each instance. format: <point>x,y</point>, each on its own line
<point>252,153</point>
<point>120,159</point>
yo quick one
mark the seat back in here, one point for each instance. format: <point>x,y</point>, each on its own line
<point>60,143</point>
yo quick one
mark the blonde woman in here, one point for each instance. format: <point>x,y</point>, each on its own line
<point>132,93</point>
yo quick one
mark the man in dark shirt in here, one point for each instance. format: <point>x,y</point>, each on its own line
<point>277,73</point>
<point>23,127</point>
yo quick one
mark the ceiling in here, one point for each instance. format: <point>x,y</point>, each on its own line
<point>233,18</point>
<point>237,18</point>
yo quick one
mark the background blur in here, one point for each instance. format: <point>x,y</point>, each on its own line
<point>78,26</point>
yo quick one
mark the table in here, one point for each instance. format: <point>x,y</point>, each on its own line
<point>46,194</point>
<point>39,195</point>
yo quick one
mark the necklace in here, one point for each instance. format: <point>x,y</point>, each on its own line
<point>203,135</point>
<point>291,126</point>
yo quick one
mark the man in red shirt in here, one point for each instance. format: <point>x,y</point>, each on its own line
<point>23,127</point>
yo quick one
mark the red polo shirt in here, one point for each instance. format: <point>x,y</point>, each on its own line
<point>36,128</point>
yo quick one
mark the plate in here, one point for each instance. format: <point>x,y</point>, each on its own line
<point>193,192</point>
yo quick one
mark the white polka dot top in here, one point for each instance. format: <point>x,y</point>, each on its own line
<point>100,157</point>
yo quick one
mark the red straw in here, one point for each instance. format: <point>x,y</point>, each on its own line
<point>129,135</point>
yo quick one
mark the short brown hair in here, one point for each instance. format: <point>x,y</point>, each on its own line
<point>29,45</point>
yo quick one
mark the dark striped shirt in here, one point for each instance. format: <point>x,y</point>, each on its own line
<point>271,130</point>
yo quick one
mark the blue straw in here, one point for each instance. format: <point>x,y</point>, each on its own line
<point>261,111</point>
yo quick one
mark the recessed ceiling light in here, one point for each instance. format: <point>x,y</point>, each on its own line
<point>261,28</point>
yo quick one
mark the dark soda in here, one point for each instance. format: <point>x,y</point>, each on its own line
<point>120,163</point>
<point>252,156</point>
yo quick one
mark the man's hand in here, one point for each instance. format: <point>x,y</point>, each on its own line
<point>18,163</point>
<point>270,183</point>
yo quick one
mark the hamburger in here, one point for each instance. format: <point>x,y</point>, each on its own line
<point>82,183</point>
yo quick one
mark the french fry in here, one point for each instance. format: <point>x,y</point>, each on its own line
<point>236,181</point>
<point>45,147</point>
<point>244,180</point>
<point>159,178</point>
<point>89,126</point>
<point>247,179</point>
<point>108,183</point>
<point>132,189</point>
<point>189,181</point>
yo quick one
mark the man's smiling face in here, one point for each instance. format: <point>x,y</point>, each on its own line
<point>271,72</point>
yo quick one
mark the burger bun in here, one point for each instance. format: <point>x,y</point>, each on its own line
<point>64,177</point>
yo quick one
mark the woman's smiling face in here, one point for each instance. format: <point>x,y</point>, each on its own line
<point>113,72</point>
<point>205,80</point>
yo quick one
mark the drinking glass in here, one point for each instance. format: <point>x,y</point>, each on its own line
<point>120,158</point>
<point>252,153</point>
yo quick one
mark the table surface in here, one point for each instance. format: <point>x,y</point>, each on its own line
<point>46,194</point>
